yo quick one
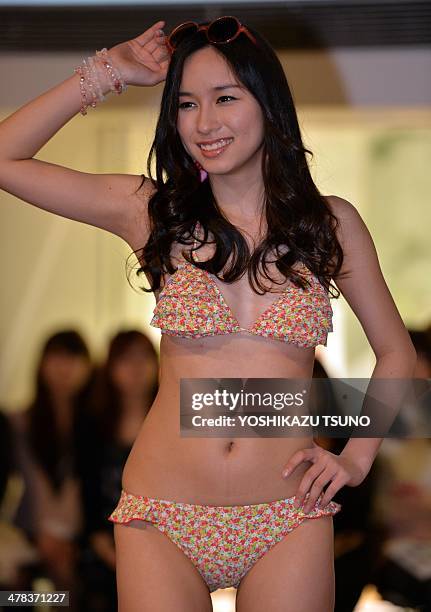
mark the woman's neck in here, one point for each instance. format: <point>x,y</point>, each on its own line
<point>240,201</point>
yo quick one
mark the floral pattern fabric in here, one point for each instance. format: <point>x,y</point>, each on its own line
<point>191,305</point>
<point>223,542</point>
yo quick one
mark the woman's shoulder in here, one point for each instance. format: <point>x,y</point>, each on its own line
<point>350,223</point>
<point>340,207</point>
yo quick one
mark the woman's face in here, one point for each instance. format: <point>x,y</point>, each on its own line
<point>134,370</point>
<point>206,114</point>
<point>65,373</point>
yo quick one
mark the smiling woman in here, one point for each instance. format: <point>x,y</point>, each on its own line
<point>215,147</point>
<point>232,217</point>
<point>235,115</point>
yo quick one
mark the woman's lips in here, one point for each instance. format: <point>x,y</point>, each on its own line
<point>215,152</point>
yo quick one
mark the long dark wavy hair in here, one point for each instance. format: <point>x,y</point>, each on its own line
<point>56,453</point>
<point>105,403</point>
<point>297,215</point>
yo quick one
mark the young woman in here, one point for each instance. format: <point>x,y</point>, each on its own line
<point>233,185</point>
<point>51,439</point>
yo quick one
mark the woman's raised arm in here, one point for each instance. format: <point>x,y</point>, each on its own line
<point>108,201</point>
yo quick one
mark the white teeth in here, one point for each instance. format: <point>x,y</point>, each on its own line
<point>216,145</point>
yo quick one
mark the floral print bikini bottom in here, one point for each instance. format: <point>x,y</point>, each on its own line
<point>223,542</point>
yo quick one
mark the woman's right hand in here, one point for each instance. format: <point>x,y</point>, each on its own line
<point>144,60</point>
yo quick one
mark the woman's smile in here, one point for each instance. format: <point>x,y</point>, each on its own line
<point>216,149</point>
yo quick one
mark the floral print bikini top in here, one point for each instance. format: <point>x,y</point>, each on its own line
<point>191,305</point>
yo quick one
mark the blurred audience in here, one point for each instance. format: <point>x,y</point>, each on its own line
<point>15,549</point>
<point>47,438</point>
<point>125,388</point>
<point>403,500</point>
<point>356,536</point>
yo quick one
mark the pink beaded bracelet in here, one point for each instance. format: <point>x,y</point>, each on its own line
<point>119,84</point>
<point>89,80</point>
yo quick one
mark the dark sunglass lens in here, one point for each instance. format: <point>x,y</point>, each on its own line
<point>223,29</point>
<point>177,37</point>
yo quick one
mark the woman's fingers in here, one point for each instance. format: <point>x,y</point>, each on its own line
<point>161,52</point>
<point>307,480</point>
<point>317,488</point>
<point>157,42</point>
<point>151,60</point>
<point>337,478</point>
<point>149,34</point>
<point>304,454</point>
<point>338,470</point>
<point>337,483</point>
<point>155,51</point>
<point>325,469</point>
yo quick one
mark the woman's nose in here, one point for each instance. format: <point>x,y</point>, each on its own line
<point>207,120</point>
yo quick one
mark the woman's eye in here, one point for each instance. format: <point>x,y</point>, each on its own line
<point>231,97</point>
<point>221,98</point>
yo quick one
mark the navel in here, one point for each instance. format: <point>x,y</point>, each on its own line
<point>229,446</point>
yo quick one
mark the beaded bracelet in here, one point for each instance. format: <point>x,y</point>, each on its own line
<point>93,68</point>
<point>118,83</point>
<point>89,79</point>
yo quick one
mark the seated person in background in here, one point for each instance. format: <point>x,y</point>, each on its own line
<point>15,549</point>
<point>49,438</point>
<point>125,389</point>
<point>404,504</point>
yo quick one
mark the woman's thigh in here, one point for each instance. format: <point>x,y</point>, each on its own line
<point>295,575</point>
<point>154,575</point>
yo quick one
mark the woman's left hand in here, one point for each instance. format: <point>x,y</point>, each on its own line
<point>339,470</point>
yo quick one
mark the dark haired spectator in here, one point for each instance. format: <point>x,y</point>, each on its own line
<point>124,391</point>
<point>49,435</point>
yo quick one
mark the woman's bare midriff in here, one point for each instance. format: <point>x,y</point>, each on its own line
<point>215,471</point>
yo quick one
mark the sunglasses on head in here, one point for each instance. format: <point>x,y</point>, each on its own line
<point>220,31</point>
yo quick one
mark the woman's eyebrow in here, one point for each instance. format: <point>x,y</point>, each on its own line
<point>216,88</point>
